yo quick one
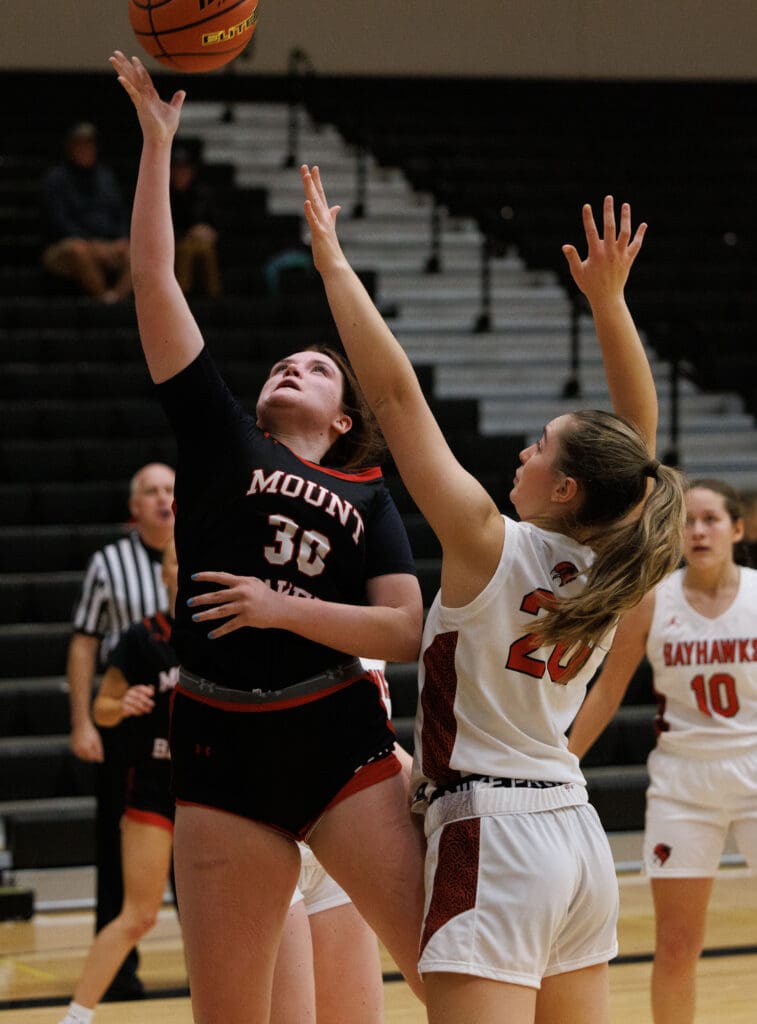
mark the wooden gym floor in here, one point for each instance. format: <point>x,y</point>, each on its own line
<point>40,960</point>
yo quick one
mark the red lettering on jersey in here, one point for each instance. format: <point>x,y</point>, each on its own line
<point>702,652</point>
<point>728,650</point>
<point>667,653</point>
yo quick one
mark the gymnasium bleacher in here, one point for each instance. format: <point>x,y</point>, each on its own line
<point>457,199</point>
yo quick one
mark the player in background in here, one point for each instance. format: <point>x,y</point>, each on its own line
<point>328,969</point>
<point>698,629</point>
<point>136,690</point>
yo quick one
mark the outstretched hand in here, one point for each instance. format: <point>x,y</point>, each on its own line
<point>159,120</point>
<point>321,219</point>
<point>244,601</point>
<point>604,272</point>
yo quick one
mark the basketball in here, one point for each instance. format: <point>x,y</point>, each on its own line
<point>193,35</point>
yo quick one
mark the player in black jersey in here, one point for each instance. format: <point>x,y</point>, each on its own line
<point>277,732</point>
<point>136,690</point>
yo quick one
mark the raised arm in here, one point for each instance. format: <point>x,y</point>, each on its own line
<point>605,696</point>
<point>602,277</point>
<point>467,520</point>
<point>170,336</point>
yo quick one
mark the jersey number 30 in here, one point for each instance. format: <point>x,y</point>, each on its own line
<point>309,547</point>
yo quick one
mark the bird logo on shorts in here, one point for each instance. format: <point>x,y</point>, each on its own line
<point>661,853</point>
<point>564,572</point>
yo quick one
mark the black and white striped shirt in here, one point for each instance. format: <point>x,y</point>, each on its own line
<point>122,585</point>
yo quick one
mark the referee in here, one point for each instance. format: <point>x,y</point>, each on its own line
<point>122,585</point>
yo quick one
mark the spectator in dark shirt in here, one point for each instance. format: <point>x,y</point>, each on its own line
<point>87,221</point>
<point>194,216</point>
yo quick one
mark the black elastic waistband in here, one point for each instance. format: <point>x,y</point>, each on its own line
<point>489,782</point>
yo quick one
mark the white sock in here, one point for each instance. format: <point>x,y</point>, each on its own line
<point>77,1014</point>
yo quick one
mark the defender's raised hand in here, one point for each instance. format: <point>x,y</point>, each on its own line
<point>605,270</point>
<point>321,218</point>
<point>159,120</point>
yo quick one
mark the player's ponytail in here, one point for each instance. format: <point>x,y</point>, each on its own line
<point>636,537</point>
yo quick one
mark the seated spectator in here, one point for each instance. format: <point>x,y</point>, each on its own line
<point>193,209</point>
<point>87,221</point>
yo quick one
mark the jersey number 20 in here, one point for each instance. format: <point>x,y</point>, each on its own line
<point>520,656</point>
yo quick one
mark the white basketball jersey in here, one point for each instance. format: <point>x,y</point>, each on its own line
<point>705,671</point>
<point>490,702</point>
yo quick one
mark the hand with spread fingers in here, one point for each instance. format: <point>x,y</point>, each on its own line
<point>159,120</point>
<point>610,257</point>
<point>321,218</point>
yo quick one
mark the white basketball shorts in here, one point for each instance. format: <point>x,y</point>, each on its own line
<point>691,804</point>
<point>517,897</point>
<point>315,886</point>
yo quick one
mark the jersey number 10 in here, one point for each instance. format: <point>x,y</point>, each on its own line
<point>716,695</point>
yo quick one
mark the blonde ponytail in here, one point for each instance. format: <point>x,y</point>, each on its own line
<point>633,552</point>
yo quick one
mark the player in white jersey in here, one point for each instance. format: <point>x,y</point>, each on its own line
<point>698,629</point>
<point>328,969</point>
<point>521,896</point>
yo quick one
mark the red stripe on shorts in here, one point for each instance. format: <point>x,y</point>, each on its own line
<point>148,818</point>
<point>456,876</point>
<point>367,776</point>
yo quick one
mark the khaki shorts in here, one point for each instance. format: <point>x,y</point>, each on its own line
<point>112,255</point>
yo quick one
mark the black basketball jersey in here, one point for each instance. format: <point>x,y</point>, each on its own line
<point>145,656</point>
<point>246,504</point>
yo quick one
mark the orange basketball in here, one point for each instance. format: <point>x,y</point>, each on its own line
<point>193,35</point>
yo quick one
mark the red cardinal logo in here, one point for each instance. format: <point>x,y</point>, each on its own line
<point>661,853</point>
<point>564,572</point>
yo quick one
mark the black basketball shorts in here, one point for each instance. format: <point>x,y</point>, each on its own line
<point>148,795</point>
<point>279,763</point>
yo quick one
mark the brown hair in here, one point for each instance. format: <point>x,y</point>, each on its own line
<point>735,506</point>
<point>609,459</point>
<point>363,444</point>
<point>734,502</point>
